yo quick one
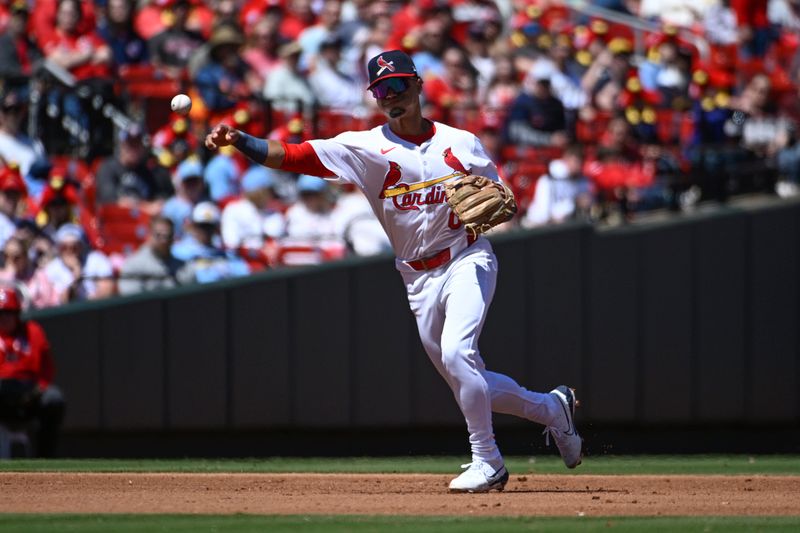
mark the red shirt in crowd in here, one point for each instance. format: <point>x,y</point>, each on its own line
<point>90,40</point>
<point>4,16</point>
<point>25,355</point>
<point>751,13</point>
<point>42,23</point>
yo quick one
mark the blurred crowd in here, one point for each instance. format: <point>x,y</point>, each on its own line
<point>595,115</point>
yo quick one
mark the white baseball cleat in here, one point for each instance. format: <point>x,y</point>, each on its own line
<point>569,443</point>
<point>479,477</point>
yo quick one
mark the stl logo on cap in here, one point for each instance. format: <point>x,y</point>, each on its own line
<point>385,65</point>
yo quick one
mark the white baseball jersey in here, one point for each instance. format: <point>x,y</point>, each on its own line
<point>404,183</point>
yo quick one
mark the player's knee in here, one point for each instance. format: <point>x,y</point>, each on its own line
<point>455,354</point>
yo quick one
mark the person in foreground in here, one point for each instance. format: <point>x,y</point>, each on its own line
<point>449,272</point>
<point>27,370</point>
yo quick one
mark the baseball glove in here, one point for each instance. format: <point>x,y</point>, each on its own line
<point>480,203</point>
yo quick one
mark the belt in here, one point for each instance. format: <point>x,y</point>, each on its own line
<point>438,259</point>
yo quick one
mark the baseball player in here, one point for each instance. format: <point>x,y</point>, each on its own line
<point>450,274</point>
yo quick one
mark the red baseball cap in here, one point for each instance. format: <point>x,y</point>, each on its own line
<point>11,180</point>
<point>59,187</point>
<point>9,299</point>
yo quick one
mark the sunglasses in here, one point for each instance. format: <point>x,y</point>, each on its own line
<point>162,235</point>
<point>396,85</point>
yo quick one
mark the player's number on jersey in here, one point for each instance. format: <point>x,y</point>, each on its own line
<point>454,222</point>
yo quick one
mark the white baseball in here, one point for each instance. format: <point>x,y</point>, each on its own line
<point>181,104</point>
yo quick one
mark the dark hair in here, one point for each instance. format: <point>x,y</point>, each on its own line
<point>76,4</point>
<point>574,150</point>
<point>160,219</point>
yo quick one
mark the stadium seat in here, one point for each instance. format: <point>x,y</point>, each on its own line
<point>146,81</point>
<point>299,253</point>
<point>122,229</point>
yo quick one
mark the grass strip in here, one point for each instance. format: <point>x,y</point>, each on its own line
<point>81,523</point>
<point>602,465</point>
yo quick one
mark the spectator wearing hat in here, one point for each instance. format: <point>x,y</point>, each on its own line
<point>333,88</point>
<point>78,272</point>
<point>172,48</point>
<point>27,372</point>
<point>311,222</point>
<point>311,218</point>
<point>287,86</point>
<point>200,249</point>
<point>16,147</point>
<point>189,190</point>
<point>251,221</point>
<point>131,178</point>
<point>18,52</point>
<point>118,31</point>
<point>152,266</point>
<point>19,269</point>
<point>57,204</point>
<point>12,190</point>
<point>537,117</point>
<point>222,82</point>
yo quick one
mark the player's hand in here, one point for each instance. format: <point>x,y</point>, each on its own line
<point>221,135</point>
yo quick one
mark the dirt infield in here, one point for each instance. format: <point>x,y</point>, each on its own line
<point>396,494</point>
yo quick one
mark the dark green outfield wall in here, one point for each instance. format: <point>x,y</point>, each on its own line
<point>683,322</point>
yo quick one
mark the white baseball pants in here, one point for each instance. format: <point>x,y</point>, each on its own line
<point>450,304</point>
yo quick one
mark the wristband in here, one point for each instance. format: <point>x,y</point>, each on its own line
<point>253,147</point>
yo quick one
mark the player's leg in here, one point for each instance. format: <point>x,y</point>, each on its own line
<point>555,410</point>
<point>427,300</point>
<point>467,294</point>
<point>510,398</point>
<point>469,291</point>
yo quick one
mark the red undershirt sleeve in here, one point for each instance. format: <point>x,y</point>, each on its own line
<point>302,158</point>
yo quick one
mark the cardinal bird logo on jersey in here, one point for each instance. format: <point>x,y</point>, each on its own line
<point>453,162</point>
<point>392,179</point>
<point>385,65</point>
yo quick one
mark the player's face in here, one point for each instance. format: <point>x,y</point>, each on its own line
<point>396,96</point>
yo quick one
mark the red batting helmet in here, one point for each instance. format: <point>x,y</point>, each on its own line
<point>9,299</point>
